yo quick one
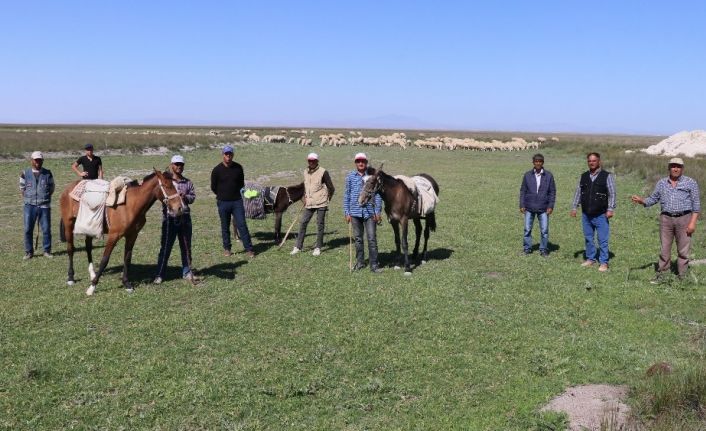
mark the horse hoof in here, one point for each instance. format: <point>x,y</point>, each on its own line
<point>70,283</point>
<point>91,289</point>
<point>397,267</point>
<point>407,273</point>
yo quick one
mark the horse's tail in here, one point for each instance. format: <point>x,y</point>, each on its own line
<point>62,234</point>
<point>431,222</point>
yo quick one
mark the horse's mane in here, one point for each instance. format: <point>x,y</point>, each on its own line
<point>167,175</point>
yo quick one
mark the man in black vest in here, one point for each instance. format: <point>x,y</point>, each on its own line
<point>596,194</point>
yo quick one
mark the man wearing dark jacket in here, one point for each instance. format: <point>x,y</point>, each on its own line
<point>227,179</point>
<point>537,197</point>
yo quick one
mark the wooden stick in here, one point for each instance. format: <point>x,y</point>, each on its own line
<point>350,246</point>
<point>291,226</point>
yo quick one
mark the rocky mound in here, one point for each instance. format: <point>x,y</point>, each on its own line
<point>689,144</point>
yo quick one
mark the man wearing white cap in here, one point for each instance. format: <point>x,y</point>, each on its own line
<point>36,188</point>
<point>362,218</point>
<point>678,196</point>
<point>318,190</point>
<point>174,227</point>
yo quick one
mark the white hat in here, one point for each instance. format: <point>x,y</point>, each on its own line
<point>676,161</point>
<point>360,156</point>
<point>177,159</point>
<point>312,156</point>
<point>37,155</point>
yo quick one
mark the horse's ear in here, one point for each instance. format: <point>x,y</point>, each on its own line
<point>381,165</point>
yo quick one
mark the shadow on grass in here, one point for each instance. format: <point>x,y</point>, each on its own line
<point>79,252</point>
<point>391,258</point>
<point>579,253</point>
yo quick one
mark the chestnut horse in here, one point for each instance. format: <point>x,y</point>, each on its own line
<point>121,221</point>
<point>400,207</point>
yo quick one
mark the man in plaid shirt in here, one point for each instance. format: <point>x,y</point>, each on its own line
<point>678,196</point>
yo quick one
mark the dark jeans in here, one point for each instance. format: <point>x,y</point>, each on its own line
<point>173,228</point>
<point>31,213</point>
<point>320,225</point>
<point>359,223</point>
<point>237,210</point>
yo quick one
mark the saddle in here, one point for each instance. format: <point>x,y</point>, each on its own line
<point>425,198</point>
<point>93,197</point>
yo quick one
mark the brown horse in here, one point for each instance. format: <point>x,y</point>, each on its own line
<point>286,196</point>
<point>400,207</point>
<point>121,221</point>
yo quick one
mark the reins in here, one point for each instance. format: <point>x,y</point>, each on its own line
<point>168,197</point>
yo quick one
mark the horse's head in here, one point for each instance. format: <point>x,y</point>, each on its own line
<point>373,184</point>
<point>168,194</point>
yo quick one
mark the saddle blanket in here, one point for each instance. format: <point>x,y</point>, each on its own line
<point>423,191</point>
<point>91,210</point>
<point>256,199</point>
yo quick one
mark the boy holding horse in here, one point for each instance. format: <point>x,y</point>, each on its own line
<point>362,217</point>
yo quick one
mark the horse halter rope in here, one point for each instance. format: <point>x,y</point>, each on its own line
<point>377,187</point>
<point>168,197</point>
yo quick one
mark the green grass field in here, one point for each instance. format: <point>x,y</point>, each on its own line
<point>478,338</point>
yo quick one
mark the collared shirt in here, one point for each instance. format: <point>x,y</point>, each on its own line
<point>538,177</point>
<point>611,190</point>
<point>351,207</point>
<point>683,197</point>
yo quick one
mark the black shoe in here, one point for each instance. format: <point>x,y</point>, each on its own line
<point>526,253</point>
<point>375,270</point>
<point>28,256</point>
<point>657,279</point>
<point>544,253</point>
<point>359,266</point>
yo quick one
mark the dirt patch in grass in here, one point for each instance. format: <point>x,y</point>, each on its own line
<point>590,406</point>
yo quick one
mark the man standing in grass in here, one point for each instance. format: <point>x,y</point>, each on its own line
<point>678,196</point>
<point>318,190</point>
<point>177,227</point>
<point>596,194</point>
<point>537,197</point>
<point>362,218</point>
<point>227,179</point>
<point>91,164</point>
<point>36,188</point>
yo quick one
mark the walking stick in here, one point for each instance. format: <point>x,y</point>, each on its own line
<point>36,237</point>
<point>291,226</point>
<point>350,247</point>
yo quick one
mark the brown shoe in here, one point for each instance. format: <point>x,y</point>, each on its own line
<point>227,253</point>
<point>250,254</point>
<point>587,263</point>
<point>603,267</point>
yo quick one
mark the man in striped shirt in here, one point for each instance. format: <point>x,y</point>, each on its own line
<point>362,217</point>
<point>678,196</point>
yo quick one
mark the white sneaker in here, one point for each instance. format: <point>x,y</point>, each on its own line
<point>316,252</point>
<point>294,251</point>
<point>157,280</point>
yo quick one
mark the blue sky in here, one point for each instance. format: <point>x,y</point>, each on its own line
<point>591,66</point>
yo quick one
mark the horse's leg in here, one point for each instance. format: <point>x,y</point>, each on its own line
<point>426,239</point>
<point>278,227</point>
<point>417,237</point>
<point>129,244</point>
<point>404,222</point>
<point>89,253</point>
<point>396,229</point>
<point>109,246</point>
<point>69,235</point>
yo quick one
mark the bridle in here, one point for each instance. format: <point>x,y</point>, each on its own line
<point>168,197</point>
<point>377,187</point>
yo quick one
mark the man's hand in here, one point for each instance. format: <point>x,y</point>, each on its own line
<point>522,210</point>
<point>572,213</point>
<point>637,200</point>
<point>608,214</point>
<point>84,174</point>
<point>377,218</point>
<point>550,211</point>
<point>348,219</point>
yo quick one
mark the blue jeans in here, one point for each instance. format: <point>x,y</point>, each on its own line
<point>173,227</point>
<point>592,225</point>
<point>543,230</point>
<point>31,213</point>
<point>359,224</point>
<point>226,209</point>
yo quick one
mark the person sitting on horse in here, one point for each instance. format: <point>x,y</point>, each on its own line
<point>318,190</point>
<point>174,226</point>
<point>364,217</point>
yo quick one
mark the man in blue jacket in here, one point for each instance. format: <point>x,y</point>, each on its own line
<point>537,197</point>
<point>36,187</point>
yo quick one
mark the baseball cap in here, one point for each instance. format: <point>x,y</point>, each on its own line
<point>312,156</point>
<point>360,156</point>
<point>676,161</point>
<point>37,155</point>
<point>227,149</point>
<point>88,146</point>
<point>177,159</point>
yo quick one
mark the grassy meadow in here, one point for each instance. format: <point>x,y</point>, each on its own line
<point>478,338</point>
